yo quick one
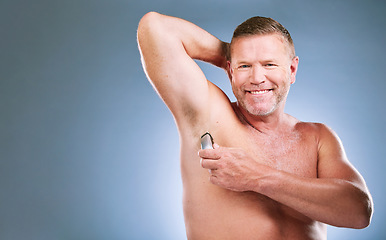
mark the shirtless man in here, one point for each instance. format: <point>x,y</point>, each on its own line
<point>269,176</point>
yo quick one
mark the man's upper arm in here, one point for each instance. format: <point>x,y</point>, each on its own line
<point>332,159</point>
<point>174,74</point>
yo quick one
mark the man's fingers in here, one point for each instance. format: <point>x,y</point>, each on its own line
<point>209,154</point>
<point>209,164</point>
<point>214,180</point>
<point>210,157</point>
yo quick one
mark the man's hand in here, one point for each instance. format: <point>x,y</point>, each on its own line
<point>231,168</point>
<point>226,65</point>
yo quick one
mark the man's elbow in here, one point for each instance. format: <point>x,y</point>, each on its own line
<point>363,218</point>
<point>148,21</point>
<point>151,29</point>
<point>148,18</point>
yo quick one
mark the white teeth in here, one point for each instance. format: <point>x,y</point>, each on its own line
<point>259,91</point>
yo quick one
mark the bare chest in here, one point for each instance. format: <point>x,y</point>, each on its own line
<point>294,152</point>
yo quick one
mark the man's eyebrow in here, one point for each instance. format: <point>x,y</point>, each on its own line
<point>269,60</point>
<point>242,61</point>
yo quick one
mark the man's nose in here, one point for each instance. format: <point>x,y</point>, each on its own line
<point>257,75</point>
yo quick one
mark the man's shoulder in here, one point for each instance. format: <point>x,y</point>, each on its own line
<point>320,131</point>
<point>316,128</point>
<point>311,125</point>
<point>299,125</point>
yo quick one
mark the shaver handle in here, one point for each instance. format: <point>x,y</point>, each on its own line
<point>206,141</point>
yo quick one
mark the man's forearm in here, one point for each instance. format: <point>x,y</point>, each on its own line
<point>201,45</point>
<point>332,201</point>
<point>198,43</point>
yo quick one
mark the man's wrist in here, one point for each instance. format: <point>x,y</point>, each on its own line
<point>269,182</point>
<point>225,50</point>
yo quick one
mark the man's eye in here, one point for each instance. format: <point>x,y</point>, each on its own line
<point>244,66</point>
<point>270,65</point>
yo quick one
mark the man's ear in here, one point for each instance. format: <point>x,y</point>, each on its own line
<point>229,70</point>
<point>294,68</point>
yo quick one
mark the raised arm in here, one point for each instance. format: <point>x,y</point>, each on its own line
<point>168,46</point>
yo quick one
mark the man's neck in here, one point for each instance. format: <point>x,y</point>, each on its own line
<point>266,123</point>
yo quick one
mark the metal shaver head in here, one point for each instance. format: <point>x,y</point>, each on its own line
<point>206,141</point>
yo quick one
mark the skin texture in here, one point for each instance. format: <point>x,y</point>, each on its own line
<point>269,176</point>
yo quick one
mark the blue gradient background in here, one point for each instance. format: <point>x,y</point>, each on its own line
<point>89,151</point>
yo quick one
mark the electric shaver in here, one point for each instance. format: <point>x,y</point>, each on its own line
<point>206,141</point>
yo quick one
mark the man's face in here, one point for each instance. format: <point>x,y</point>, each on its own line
<point>261,72</point>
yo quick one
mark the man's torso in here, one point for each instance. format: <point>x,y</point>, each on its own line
<point>212,212</point>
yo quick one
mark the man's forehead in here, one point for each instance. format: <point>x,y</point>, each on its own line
<point>247,46</point>
<point>250,39</point>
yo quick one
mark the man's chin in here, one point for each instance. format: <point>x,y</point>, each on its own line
<point>259,111</point>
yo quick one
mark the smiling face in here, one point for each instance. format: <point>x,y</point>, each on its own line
<point>262,71</point>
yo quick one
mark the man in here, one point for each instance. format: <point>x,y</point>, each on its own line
<point>269,176</point>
